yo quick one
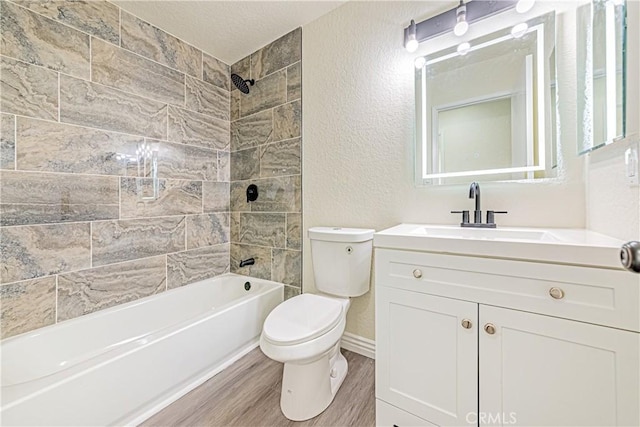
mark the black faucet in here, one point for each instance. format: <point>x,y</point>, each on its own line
<point>248,261</point>
<point>474,191</point>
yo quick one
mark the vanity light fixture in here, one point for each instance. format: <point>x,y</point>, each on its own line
<point>524,6</point>
<point>411,43</point>
<point>462,25</point>
<point>457,20</point>
<point>420,61</point>
<point>519,30</point>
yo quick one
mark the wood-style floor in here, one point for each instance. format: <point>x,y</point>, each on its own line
<point>248,394</point>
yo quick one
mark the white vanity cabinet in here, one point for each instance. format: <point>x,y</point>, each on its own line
<point>465,340</point>
<point>410,327</point>
<point>544,371</point>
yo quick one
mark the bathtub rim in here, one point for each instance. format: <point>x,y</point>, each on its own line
<point>129,346</point>
<point>123,306</point>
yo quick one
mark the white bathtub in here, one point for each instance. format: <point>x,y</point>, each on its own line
<point>121,365</point>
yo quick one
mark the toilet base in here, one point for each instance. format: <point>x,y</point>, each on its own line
<point>309,388</point>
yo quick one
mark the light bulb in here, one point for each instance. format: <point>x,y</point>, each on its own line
<point>461,20</point>
<point>420,61</point>
<point>519,30</point>
<point>524,6</point>
<point>463,48</point>
<point>412,44</point>
<point>461,28</point>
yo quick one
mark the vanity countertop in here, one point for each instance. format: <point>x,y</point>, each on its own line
<point>555,245</point>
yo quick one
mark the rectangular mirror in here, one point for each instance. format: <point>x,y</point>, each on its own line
<point>488,109</point>
<point>601,33</point>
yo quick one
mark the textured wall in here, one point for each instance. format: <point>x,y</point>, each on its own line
<point>85,86</point>
<point>613,207</point>
<point>266,145</point>
<point>358,130</point>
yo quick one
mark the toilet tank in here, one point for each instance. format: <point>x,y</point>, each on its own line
<point>341,259</point>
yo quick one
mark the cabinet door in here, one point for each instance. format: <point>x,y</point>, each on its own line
<point>426,361</point>
<point>545,371</point>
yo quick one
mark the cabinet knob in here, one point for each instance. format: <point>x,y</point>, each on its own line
<point>490,328</point>
<point>417,273</point>
<point>556,293</point>
<point>466,323</point>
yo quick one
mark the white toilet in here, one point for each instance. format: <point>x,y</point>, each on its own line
<point>304,332</point>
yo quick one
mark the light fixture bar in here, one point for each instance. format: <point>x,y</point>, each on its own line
<point>476,10</point>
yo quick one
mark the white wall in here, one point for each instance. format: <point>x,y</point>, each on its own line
<point>613,207</point>
<point>358,121</point>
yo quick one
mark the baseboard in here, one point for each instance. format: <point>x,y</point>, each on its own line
<point>358,344</point>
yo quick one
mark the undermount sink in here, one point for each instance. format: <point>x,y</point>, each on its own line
<point>562,246</point>
<point>485,233</point>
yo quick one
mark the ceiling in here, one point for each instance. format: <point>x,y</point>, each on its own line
<point>228,30</point>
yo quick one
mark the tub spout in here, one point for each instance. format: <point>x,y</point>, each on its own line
<point>248,261</point>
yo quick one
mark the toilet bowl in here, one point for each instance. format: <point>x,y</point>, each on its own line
<point>303,327</point>
<point>304,332</point>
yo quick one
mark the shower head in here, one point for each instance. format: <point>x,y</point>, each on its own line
<point>241,83</point>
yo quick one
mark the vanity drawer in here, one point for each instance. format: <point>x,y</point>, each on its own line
<point>595,295</point>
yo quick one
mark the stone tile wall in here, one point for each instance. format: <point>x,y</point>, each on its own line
<point>266,144</point>
<point>85,87</point>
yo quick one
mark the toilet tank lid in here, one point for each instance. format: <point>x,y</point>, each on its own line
<point>341,234</point>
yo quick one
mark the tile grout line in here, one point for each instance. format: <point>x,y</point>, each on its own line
<point>271,264</point>
<point>120,196</point>
<point>56,302</point>
<point>15,139</point>
<point>286,83</point>
<point>102,175</point>
<point>59,100</point>
<point>90,59</point>
<point>119,26</point>
<point>91,244</point>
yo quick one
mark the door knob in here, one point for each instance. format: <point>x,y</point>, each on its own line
<point>417,273</point>
<point>490,328</point>
<point>556,293</point>
<point>466,323</point>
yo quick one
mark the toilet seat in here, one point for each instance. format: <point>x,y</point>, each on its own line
<point>301,319</point>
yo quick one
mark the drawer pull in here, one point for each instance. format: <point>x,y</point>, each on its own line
<point>556,293</point>
<point>490,328</point>
<point>417,273</point>
<point>466,323</point>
